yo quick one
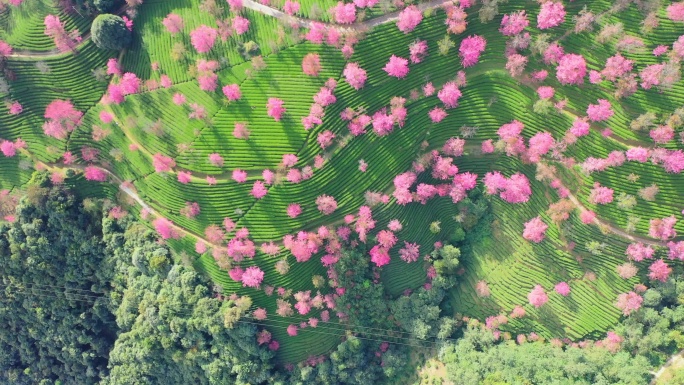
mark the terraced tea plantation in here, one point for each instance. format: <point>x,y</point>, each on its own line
<point>254,137</point>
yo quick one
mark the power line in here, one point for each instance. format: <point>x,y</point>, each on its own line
<point>22,291</point>
<point>59,287</point>
<point>47,288</point>
<point>316,332</point>
<point>276,326</point>
<point>303,319</point>
<point>327,326</point>
<point>377,337</point>
<point>350,327</point>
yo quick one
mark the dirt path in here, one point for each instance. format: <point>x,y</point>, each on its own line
<point>675,360</point>
<point>359,27</point>
<point>616,230</point>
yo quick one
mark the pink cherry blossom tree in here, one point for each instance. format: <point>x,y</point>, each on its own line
<point>674,161</point>
<point>162,163</point>
<point>62,118</point>
<point>437,114</point>
<point>64,41</point>
<point>550,15</point>
<point>580,127</point>
<point>675,11</point>
<point>173,23</point>
<point>663,228</point>
<point>5,49</point>
<point>662,134</point>
<point>326,204</point>
<point>537,296</point>
<point>563,289</point>
<point>190,210</point>
<point>571,69</point>
<point>216,159</point>
<point>514,23</point>
<point>676,250</point>
<point>599,112</point>
<point>344,13</point>
<point>214,234</point>
<point>418,51</point>
<point>515,64</point>
<point>239,176</point>
<point>354,75</point>
<point>535,230</point>
<point>8,148</point>
<point>252,277</point>
<point>232,92</point>
<point>203,38</point>
<point>616,67</point>
<point>165,229</point>
<point>627,270</point>
<point>638,252</point>
<point>15,108</point>
<point>651,75</point>
<point>449,95</point>
<point>470,50</point>
<point>379,255</point>
<point>95,174</point>
<point>291,7</point>
<point>275,108</point>
<point>629,302</point>
<point>517,190</point>
<point>410,252</point>
<point>259,190</point>
<point>600,195</point>
<point>659,271</point>
<point>293,210</point>
<point>397,67</point>
<point>409,18</point>
<point>311,64</point>
<point>240,25</point>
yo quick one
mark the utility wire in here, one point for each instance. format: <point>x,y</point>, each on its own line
<point>303,319</point>
<point>350,327</point>
<point>338,335</point>
<point>49,290</point>
<point>273,323</point>
<point>377,337</point>
<point>57,287</point>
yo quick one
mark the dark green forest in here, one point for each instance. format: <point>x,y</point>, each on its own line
<point>87,298</point>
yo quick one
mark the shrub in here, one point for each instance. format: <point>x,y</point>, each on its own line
<point>110,32</point>
<point>106,5</point>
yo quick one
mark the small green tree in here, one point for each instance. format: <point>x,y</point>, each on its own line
<point>110,32</point>
<point>106,5</point>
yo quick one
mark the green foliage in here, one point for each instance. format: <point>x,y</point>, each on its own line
<point>655,330</point>
<point>365,299</point>
<point>110,32</point>
<point>419,312</point>
<point>676,379</point>
<point>49,334</point>
<point>352,362</point>
<point>133,302</point>
<point>181,333</point>
<point>446,259</point>
<point>106,5</point>
<point>477,359</point>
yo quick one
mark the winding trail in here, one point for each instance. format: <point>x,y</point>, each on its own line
<point>674,359</point>
<point>613,229</point>
<point>358,27</point>
<point>264,9</point>
<point>364,26</point>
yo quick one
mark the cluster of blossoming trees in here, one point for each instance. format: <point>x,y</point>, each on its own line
<point>435,175</point>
